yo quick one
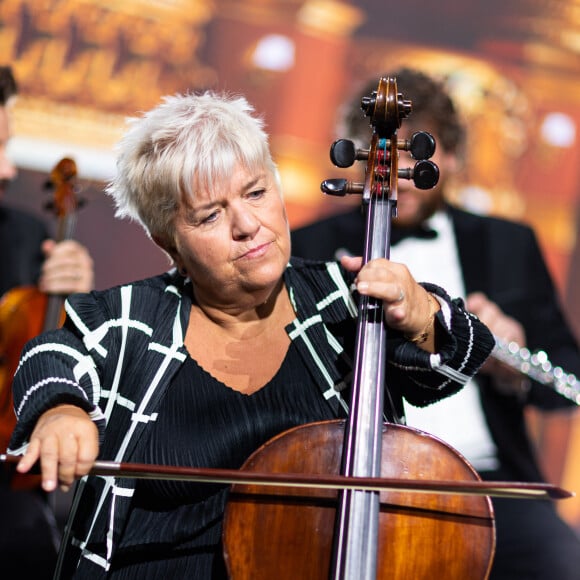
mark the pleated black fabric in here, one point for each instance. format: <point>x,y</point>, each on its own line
<point>174,529</point>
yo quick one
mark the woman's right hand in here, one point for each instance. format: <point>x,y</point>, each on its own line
<point>66,442</point>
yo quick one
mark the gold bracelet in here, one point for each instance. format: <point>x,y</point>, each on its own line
<point>422,336</point>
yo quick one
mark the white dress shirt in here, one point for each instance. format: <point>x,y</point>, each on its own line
<point>458,420</point>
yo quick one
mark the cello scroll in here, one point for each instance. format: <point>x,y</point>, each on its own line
<point>386,109</point>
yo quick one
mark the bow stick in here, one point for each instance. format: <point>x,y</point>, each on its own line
<point>517,490</point>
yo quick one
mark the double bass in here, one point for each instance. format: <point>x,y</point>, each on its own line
<point>362,534</point>
<point>25,311</point>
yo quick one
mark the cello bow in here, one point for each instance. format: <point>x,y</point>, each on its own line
<point>516,490</point>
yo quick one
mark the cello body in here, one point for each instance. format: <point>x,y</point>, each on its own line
<point>421,535</point>
<point>21,318</point>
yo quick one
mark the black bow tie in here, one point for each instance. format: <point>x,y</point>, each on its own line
<point>421,232</point>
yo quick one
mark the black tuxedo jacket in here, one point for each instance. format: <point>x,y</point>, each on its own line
<point>21,235</point>
<point>502,259</point>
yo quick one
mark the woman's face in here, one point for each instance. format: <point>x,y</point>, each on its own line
<point>234,241</point>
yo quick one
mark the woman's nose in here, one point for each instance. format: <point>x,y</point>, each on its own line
<point>244,223</point>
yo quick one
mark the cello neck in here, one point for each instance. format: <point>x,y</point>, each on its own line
<point>356,537</point>
<point>357,524</point>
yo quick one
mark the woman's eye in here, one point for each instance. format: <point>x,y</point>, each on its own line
<point>209,218</point>
<point>257,194</point>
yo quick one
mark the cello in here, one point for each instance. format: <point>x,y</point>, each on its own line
<point>362,534</point>
<point>25,311</point>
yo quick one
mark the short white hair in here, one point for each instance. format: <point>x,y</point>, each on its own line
<point>188,143</point>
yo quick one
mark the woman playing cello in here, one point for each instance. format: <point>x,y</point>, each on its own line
<point>202,365</point>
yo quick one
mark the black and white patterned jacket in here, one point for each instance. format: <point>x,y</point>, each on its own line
<point>120,348</point>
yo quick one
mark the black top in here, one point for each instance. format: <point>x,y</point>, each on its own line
<point>206,424</point>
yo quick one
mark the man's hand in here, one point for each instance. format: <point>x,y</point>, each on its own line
<point>505,328</point>
<point>68,268</point>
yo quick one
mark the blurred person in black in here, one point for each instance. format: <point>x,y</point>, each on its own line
<point>497,266</point>
<point>29,534</point>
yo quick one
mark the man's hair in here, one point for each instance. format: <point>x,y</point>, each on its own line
<point>431,105</point>
<point>8,86</point>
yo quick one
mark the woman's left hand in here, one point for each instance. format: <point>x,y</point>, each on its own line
<point>408,307</point>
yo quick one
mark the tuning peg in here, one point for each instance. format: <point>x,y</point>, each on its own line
<point>343,153</point>
<point>340,187</point>
<point>425,174</point>
<point>422,145</point>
